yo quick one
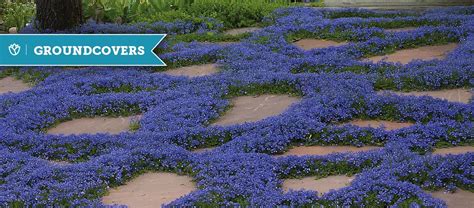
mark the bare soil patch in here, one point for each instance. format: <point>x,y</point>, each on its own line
<point>94,125</point>
<point>325,150</point>
<point>255,108</point>
<point>425,53</point>
<point>151,190</point>
<point>202,150</point>
<point>59,163</point>
<point>454,150</point>
<point>458,199</point>
<point>387,125</point>
<point>322,185</point>
<point>453,95</point>
<point>194,71</point>
<point>10,84</point>
<point>225,43</point>
<point>308,44</point>
<point>242,30</point>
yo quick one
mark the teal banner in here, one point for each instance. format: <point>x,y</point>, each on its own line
<point>80,50</point>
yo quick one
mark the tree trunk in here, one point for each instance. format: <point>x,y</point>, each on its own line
<point>58,14</point>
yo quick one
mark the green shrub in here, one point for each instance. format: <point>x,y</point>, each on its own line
<point>166,16</point>
<point>119,11</point>
<point>124,11</point>
<point>17,14</point>
<point>234,14</point>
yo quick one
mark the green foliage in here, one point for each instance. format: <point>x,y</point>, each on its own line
<point>214,140</point>
<point>258,89</point>
<point>355,13</point>
<point>16,204</point>
<point>120,11</point>
<point>359,69</point>
<point>321,169</point>
<point>207,59</point>
<point>404,23</point>
<point>385,83</point>
<point>338,35</point>
<point>7,72</point>
<point>317,4</point>
<point>233,13</point>
<point>123,11</point>
<point>32,77</point>
<point>125,88</point>
<point>167,16</point>
<point>134,125</point>
<point>370,200</point>
<point>18,14</point>
<point>317,138</point>
<point>209,37</point>
<point>409,84</point>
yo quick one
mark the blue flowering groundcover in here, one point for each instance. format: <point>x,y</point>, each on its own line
<point>335,87</point>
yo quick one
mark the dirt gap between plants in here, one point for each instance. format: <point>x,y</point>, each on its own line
<point>322,185</point>
<point>194,71</point>
<point>94,125</point>
<point>325,150</point>
<point>242,30</point>
<point>255,108</point>
<point>387,125</point>
<point>308,44</point>
<point>458,199</point>
<point>10,84</point>
<point>454,150</point>
<point>460,95</point>
<point>424,53</point>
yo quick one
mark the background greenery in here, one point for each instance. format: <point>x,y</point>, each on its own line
<point>16,13</point>
<point>232,13</point>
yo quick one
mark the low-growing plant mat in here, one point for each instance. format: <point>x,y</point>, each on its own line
<point>454,150</point>
<point>150,190</point>
<point>458,199</point>
<point>387,125</point>
<point>194,70</point>
<point>10,84</point>
<point>222,43</point>
<point>308,44</point>
<point>424,53</point>
<point>243,171</point>
<point>93,126</point>
<point>255,108</point>
<point>238,31</point>
<point>322,185</point>
<point>403,29</point>
<point>74,68</point>
<point>452,95</point>
<point>325,150</point>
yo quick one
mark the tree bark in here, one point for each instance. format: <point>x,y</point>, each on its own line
<point>58,14</point>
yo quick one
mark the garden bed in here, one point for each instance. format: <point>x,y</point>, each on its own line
<point>274,115</point>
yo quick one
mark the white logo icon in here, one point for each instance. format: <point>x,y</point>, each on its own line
<point>14,49</point>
